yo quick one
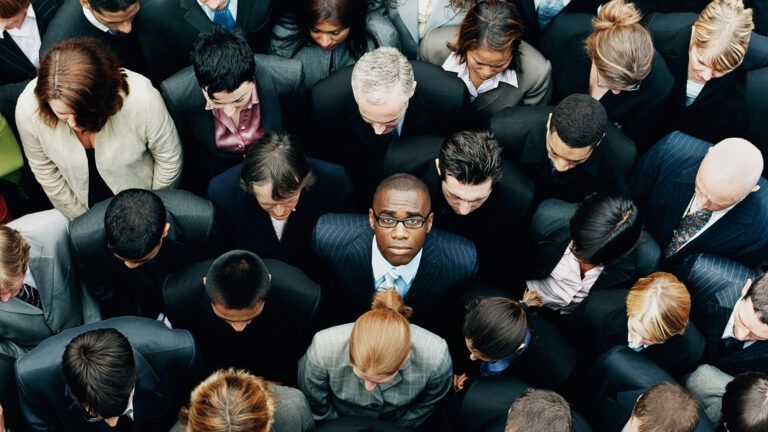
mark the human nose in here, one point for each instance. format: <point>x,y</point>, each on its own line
<point>378,128</point>
<point>561,165</point>
<point>125,27</point>
<point>706,75</point>
<point>464,208</point>
<point>5,297</point>
<point>399,231</point>
<point>370,385</point>
<point>229,110</point>
<point>239,326</point>
<point>326,41</point>
<point>472,356</point>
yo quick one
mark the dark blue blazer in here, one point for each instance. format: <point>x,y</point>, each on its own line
<point>343,243</point>
<point>715,284</point>
<point>167,367</point>
<point>14,65</point>
<point>663,185</point>
<point>245,225</point>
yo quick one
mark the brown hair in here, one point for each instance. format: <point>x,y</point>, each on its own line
<point>230,401</point>
<point>380,342</point>
<point>494,24</point>
<point>11,8</point>
<point>721,34</point>
<point>661,303</point>
<point>620,47</point>
<point>666,407</point>
<point>14,255</point>
<point>539,411</point>
<point>86,76</point>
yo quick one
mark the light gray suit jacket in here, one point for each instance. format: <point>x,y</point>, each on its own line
<point>65,305</point>
<point>534,79</point>
<point>707,384</point>
<point>404,15</point>
<point>333,390</point>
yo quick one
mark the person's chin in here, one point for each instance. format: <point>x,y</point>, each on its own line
<point>399,255</point>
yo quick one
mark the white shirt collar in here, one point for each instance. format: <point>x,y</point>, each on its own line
<point>232,6</point>
<point>381,266</point>
<point>92,19</point>
<point>26,28</point>
<point>454,64</point>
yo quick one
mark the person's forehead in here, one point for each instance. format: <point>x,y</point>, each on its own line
<point>224,97</point>
<point>407,201</point>
<point>392,109</point>
<point>120,14</point>
<point>563,149</point>
<point>467,191</point>
<point>489,56</point>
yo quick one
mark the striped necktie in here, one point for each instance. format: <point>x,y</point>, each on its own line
<point>30,295</point>
<point>224,18</point>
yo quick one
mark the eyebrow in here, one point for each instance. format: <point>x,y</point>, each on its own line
<point>469,200</point>
<point>410,214</point>
<point>552,151</point>
<point>487,64</point>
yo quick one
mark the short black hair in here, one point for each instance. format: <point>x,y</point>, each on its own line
<point>472,157</point>
<point>237,280</point>
<point>276,158</point>
<point>745,403</point>
<point>134,223</point>
<point>758,293</point>
<point>100,371</point>
<point>604,228</point>
<point>579,120</point>
<point>539,411</point>
<point>404,183</point>
<point>496,326</point>
<point>111,5</point>
<point>223,61</point>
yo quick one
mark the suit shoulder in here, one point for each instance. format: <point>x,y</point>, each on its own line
<point>519,119</point>
<point>328,171</point>
<point>180,87</point>
<point>330,343</point>
<point>48,225</point>
<point>280,69</point>
<point>531,58</point>
<point>26,105</point>
<point>452,247</point>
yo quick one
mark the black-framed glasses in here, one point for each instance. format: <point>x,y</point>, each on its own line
<point>391,222</point>
<point>634,87</point>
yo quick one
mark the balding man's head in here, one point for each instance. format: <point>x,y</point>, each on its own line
<point>728,173</point>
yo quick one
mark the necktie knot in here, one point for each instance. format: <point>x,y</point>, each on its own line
<point>31,295</point>
<point>224,18</point>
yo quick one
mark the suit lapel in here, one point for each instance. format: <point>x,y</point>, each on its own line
<point>730,226</point>
<point>427,275</point>
<point>269,105</point>
<point>410,9</point>
<point>680,194</point>
<point>14,57</point>
<point>360,268</point>
<point>148,403</point>
<point>41,267</point>
<point>195,16</point>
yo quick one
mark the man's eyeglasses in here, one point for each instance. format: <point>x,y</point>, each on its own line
<point>632,88</point>
<point>391,222</point>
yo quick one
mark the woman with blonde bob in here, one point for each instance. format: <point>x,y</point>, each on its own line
<point>707,61</point>
<point>610,57</point>
<point>652,318</point>
<point>381,366</point>
<point>236,401</point>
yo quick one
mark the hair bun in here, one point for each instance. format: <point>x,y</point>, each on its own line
<point>390,299</point>
<point>616,13</point>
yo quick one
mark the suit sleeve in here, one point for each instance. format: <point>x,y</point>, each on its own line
<point>314,383</point>
<point>642,182</point>
<point>440,382</point>
<point>163,142</point>
<point>36,408</point>
<point>541,91</point>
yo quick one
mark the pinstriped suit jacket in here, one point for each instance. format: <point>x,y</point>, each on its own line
<point>663,185</point>
<point>715,284</point>
<point>343,243</point>
<point>14,65</point>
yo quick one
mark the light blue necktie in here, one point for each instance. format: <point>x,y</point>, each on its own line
<point>393,280</point>
<point>547,10</point>
<point>224,18</point>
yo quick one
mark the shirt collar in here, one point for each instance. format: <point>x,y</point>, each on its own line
<point>92,19</point>
<point>231,5</point>
<point>454,64</point>
<point>381,266</point>
<point>253,101</point>
<point>30,17</point>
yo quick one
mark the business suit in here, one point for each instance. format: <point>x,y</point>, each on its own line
<point>707,384</point>
<point>439,106</point>
<point>492,227</point>
<point>530,15</point>
<point>759,14</point>
<point>357,424</point>
<point>284,327</point>
<point>23,326</point>
<point>715,284</point>
<point>119,290</point>
<point>663,186</point>
<point>405,17</point>
<point>343,243</point>
<point>600,322</point>
<point>333,390</point>
<point>14,65</point>
<point>9,398</point>
<point>638,112</point>
<point>522,132</point>
<point>278,85</point>
<point>167,366</point>
<point>245,225</point>
<point>623,375</point>
<point>138,147</point>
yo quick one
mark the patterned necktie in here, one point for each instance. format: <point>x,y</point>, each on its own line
<point>689,225</point>
<point>392,280</point>
<point>30,295</point>
<point>224,18</point>
<point>547,10</point>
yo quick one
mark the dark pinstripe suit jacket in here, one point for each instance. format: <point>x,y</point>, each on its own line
<point>343,243</point>
<point>663,185</point>
<point>14,65</point>
<point>715,284</point>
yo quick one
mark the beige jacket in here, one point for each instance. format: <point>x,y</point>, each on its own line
<point>137,148</point>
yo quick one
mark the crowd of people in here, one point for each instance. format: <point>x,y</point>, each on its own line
<point>384,215</point>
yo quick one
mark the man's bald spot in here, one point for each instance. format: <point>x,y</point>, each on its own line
<point>403,183</point>
<point>734,163</point>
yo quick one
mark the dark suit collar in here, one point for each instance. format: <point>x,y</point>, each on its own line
<point>269,104</point>
<point>429,270</point>
<point>195,16</point>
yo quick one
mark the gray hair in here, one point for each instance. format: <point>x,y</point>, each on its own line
<point>380,72</point>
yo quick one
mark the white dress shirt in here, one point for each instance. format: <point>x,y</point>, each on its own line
<point>692,90</point>
<point>278,226</point>
<point>381,266</point>
<point>92,19</point>
<point>232,6</point>
<point>454,64</point>
<point>27,37</point>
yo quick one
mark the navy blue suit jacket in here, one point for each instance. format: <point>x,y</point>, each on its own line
<point>14,65</point>
<point>663,185</point>
<point>343,243</point>
<point>715,284</point>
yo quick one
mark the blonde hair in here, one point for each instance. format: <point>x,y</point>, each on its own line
<point>721,34</point>
<point>380,342</point>
<point>661,303</point>
<point>14,255</point>
<point>230,401</point>
<point>620,47</point>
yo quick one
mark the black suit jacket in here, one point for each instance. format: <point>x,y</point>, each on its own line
<point>600,322</point>
<point>439,106</point>
<point>522,132</point>
<point>245,225</point>
<point>343,244</point>
<point>530,16</point>
<point>270,346</point>
<point>493,226</point>
<point>14,65</point>
<point>360,424</point>
<point>638,112</point>
<point>178,23</point>
<point>279,86</point>
<point>9,398</point>
<point>663,185</point>
<point>167,367</point>
<point>715,284</point>
<point>121,291</point>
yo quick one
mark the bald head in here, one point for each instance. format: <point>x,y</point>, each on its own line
<point>728,173</point>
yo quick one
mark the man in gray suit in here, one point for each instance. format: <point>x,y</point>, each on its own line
<point>40,292</point>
